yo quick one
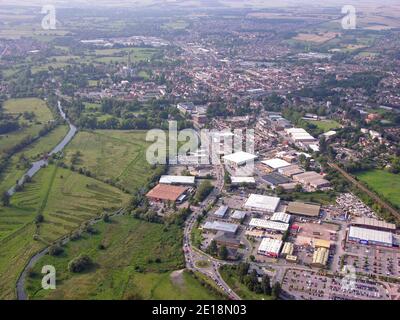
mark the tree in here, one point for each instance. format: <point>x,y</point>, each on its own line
<point>80,264</point>
<point>223,252</point>
<point>106,218</point>
<point>276,290</point>
<point>55,250</point>
<point>5,199</point>
<point>203,190</point>
<point>266,285</point>
<point>212,248</point>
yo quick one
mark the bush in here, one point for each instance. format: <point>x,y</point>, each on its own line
<point>39,218</point>
<point>80,264</point>
<point>55,250</point>
<point>75,236</point>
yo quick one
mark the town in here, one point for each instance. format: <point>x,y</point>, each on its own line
<point>273,134</point>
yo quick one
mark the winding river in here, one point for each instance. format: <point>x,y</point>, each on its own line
<point>36,166</point>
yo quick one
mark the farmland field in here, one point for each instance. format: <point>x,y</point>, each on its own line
<point>37,106</point>
<point>138,262</point>
<point>66,199</point>
<point>384,183</point>
<point>16,168</point>
<point>16,108</point>
<point>113,154</point>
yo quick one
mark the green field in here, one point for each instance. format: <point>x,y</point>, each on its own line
<point>113,154</point>
<point>384,183</point>
<point>16,168</point>
<point>37,106</point>
<point>325,125</point>
<point>65,199</point>
<point>232,280</point>
<point>138,262</point>
<point>16,108</point>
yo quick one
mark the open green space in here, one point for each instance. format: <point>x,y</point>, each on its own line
<point>113,154</point>
<point>65,199</point>
<point>138,260</point>
<point>18,106</point>
<point>230,277</point>
<point>384,183</point>
<point>325,125</point>
<point>20,162</point>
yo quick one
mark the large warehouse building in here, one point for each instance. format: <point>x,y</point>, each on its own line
<point>375,224</point>
<point>165,192</point>
<point>185,180</point>
<point>268,225</point>
<point>239,158</point>
<point>215,226</point>
<point>270,247</point>
<point>303,209</point>
<point>369,236</point>
<point>262,203</point>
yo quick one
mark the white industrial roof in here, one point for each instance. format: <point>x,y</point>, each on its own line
<point>371,235</point>
<point>263,203</point>
<point>240,157</point>
<point>238,214</point>
<point>268,224</point>
<point>276,163</point>
<point>280,216</point>
<point>221,226</point>
<point>177,179</point>
<point>299,134</point>
<point>270,245</point>
<point>329,133</point>
<point>243,180</point>
<point>221,211</point>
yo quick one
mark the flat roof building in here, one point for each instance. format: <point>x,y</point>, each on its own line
<point>166,179</point>
<point>369,236</point>
<point>291,170</point>
<point>312,178</point>
<point>165,192</point>
<point>268,225</point>
<point>280,217</point>
<point>303,209</point>
<point>243,180</point>
<point>275,179</point>
<point>270,247</point>
<point>262,203</point>
<point>287,249</point>
<point>320,257</point>
<point>321,243</point>
<point>221,211</point>
<point>216,226</point>
<point>239,158</point>
<point>276,163</point>
<point>238,215</point>
<point>370,223</point>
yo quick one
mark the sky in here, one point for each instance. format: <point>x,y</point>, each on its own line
<point>195,3</point>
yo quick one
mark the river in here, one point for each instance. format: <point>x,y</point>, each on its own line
<point>36,166</point>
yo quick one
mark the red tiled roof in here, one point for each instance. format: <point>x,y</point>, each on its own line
<point>166,192</point>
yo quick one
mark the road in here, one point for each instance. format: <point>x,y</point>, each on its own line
<point>193,255</point>
<point>36,166</point>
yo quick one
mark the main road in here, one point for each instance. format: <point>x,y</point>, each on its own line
<point>193,255</point>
